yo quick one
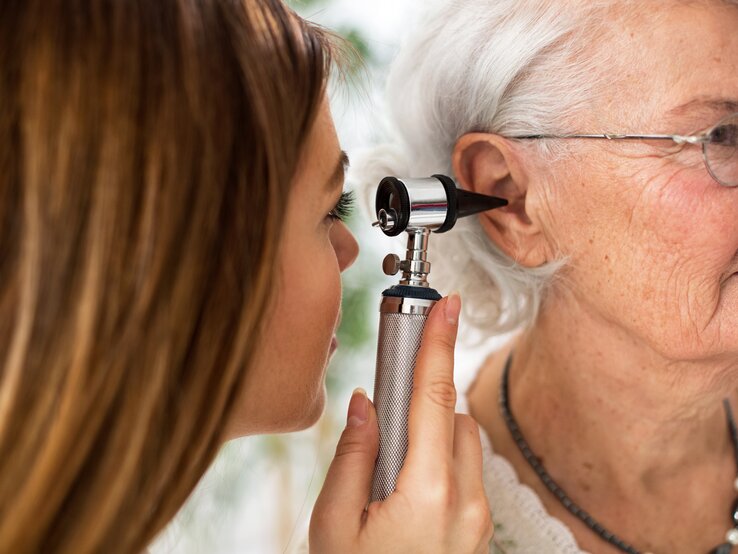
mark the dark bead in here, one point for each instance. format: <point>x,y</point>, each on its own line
<point>722,549</point>
<point>735,513</point>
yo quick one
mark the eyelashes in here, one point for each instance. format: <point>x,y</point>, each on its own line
<point>344,208</point>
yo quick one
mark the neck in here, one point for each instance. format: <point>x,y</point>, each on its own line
<point>587,392</point>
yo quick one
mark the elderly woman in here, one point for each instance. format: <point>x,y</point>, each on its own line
<point>607,416</point>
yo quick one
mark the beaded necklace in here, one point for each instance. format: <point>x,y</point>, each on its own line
<point>731,536</point>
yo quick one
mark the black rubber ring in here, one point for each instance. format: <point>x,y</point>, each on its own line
<point>387,186</point>
<point>451,203</point>
<point>419,293</point>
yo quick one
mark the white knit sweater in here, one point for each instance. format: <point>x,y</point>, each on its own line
<point>522,525</point>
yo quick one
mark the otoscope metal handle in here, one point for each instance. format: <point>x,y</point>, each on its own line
<point>401,325</point>
<point>418,207</point>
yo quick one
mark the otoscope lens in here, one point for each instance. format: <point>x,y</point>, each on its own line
<point>387,219</point>
<point>392,197</point>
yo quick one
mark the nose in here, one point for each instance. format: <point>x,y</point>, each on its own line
<point>345,245</point>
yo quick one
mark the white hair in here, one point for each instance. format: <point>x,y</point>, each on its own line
<point>507,67</point>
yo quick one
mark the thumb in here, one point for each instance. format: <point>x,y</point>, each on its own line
<point>348,483</point>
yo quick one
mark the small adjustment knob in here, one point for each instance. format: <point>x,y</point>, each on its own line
<point>391,264</point>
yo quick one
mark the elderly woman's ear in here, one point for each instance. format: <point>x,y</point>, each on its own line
<point>489,164</point>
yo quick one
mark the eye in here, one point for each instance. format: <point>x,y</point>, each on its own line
<point>725,135</point>
<point>344,208</point>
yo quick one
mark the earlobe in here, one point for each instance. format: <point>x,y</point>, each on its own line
<point>489,164</point>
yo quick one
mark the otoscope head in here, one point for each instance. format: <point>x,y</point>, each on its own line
<point>434,204</point>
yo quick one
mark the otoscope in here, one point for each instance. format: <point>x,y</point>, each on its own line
<point>418,207</point>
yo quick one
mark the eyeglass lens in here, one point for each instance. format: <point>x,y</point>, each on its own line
<point>721,151</point>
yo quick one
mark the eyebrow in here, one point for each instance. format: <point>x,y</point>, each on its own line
<point>339,173</point>
<point>716,105</point>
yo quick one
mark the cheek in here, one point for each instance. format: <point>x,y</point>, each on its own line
<point>650,252</point>
<point>285,389</point>
<point>694,211</point>
<point>321,290</point>
<point>693,230</point>
<point>313,303</point>
<point>690,227</point>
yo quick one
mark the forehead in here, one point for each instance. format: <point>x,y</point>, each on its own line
<point>678,54</point>
<point>319,153</point>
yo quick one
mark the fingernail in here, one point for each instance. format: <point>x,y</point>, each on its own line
<point>452,308</point>
<point>358,411</point>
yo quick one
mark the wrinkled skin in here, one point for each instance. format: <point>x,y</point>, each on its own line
<point>619,383</point>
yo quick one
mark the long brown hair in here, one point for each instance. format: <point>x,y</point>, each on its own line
<point>146,151</point>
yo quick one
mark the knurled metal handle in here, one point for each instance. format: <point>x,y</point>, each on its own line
<point>399,341</point>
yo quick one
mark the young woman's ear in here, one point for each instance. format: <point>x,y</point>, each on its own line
<point>488,164</point>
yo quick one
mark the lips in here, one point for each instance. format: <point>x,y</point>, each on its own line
<point>334,340</point>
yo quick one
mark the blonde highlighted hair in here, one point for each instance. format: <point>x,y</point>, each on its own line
<point>146,151</point>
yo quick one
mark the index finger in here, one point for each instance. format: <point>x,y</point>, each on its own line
<point>433,400</point>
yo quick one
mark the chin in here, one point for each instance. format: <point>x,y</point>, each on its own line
<point>286,420</point>
<point>310,413</point>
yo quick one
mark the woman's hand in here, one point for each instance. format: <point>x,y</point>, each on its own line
<point>439,505</point>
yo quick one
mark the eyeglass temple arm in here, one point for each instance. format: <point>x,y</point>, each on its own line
<point>679,139</point>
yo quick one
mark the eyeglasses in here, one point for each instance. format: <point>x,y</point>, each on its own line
<point>719,146</point>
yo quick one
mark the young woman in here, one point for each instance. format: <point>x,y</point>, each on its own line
<point>170,254</point>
